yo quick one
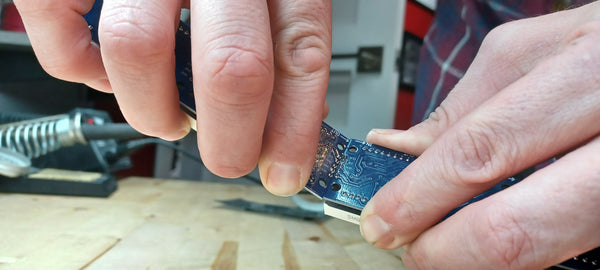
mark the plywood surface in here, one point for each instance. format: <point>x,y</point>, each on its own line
<point>167,224</point>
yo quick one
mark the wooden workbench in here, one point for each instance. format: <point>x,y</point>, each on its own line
<point>160,224</point>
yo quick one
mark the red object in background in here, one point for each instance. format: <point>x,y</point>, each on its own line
<point>404,108</point>
<point>11,19</point>
<point>417,21</point>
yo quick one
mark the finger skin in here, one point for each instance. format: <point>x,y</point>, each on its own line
<point>302,40</point>
<point>232,62</point>
<point>138,41</point>
<point>546,219</point>
<point>62,41</point>
<point>550,110</point>
<point>504,57</point>
<point>412,141</point>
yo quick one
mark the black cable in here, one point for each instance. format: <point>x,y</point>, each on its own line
<point>98,154</point>
<point>117,131</point>
<point>134,145</point>
<point>129,147</point>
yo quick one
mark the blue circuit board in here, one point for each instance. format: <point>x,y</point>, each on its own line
<point>350,171</point>
<point>347,172</point>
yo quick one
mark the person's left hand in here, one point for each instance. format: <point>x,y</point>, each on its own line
<point>260,71</point>
<point>532,92</point>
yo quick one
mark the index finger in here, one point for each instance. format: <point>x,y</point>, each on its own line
<point>62,42</point>
<point>233,80</point>
<point>302,34</point>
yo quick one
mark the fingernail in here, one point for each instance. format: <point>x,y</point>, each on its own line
<point>373,228</point>
<point>386,131</point>
<point>376,131</point>
<point>183,131</point>
<point>186,123</point>
<point>283,179</point>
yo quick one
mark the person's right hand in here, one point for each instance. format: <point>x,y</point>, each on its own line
<point>532,93</point>
<point>260,74</point>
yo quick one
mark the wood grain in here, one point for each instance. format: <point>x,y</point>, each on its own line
<point>227,257</point>
<point>168,224</point>
<point>289,254</point>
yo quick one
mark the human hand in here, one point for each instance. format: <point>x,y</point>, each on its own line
<point>532,92</point>
<point>260,74</point>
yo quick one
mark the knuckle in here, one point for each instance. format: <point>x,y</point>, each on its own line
<point>441,118</point>
<point>136,39</point>
<point>505,48</point>
<point>502,239</point>
<point>238,62</point>
<point>505,45</point>
<point>409,213</point>
<point>494,43</point>
<point>236,66</point>
<point>474,153</point>
<point>592,27</point>
<point>583,47</point>
<point>301,50</point>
